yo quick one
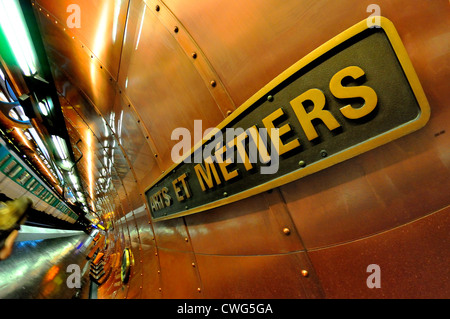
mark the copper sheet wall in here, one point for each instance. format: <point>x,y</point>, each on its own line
<point>136,70</point>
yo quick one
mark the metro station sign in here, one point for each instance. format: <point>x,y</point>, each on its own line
<point>354,93</point>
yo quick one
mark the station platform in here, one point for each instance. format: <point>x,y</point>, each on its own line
<point>38,269</point>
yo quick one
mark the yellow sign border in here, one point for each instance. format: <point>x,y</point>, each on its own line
<point>358,149</point>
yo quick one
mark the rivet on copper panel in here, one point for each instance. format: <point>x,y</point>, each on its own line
<point>194,55</point>
<point>175,29</point>
<point>305,273</point>
<point>193,264</point>
<point>286,231</point>
<point>157,8</point>
<point>229,112</point>
<point>199,290</point>
<point>213,83</point>
<point>186,239</point>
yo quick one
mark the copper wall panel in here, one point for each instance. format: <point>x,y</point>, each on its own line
<point>259,277</point>
<point>252,44</point>
<point>151,274</point>
<point>253,226</point>
<point>78,65</point>
<point>135,282</point>
<point>369,194</point>
<point>172,234</point>
<point>163,84</point>
<point>412,263</point>
<point>138,153</point>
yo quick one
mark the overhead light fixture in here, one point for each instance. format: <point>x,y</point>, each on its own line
<point>14,27</point>
<point>74,181</point>
<point>45,106</point>
<point>61,147</point>
<point>39,142</point>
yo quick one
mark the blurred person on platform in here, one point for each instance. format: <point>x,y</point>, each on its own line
<point>13,213</point>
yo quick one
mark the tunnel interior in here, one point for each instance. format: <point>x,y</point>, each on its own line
<point>93,95</point>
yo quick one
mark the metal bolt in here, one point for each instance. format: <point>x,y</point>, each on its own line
<point>305,273</point>
<point>194,55</point>
<point>323,153</point>
<point>229,113</point>
<point>302,164</point>
<point>286,231</point>
<point>270,98</point>
<point>225,194</point>
<point>213,83</point>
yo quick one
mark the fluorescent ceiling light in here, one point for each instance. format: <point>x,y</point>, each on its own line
<point>39,142</point>
<point>45,106</point>
<point>74,181</point>
<point>61,147</point>
<point>16,32</point>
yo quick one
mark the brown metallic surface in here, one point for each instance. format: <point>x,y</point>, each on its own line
<point>388,206</point>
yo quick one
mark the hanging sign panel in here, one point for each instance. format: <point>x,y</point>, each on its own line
<point>352,94</point>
